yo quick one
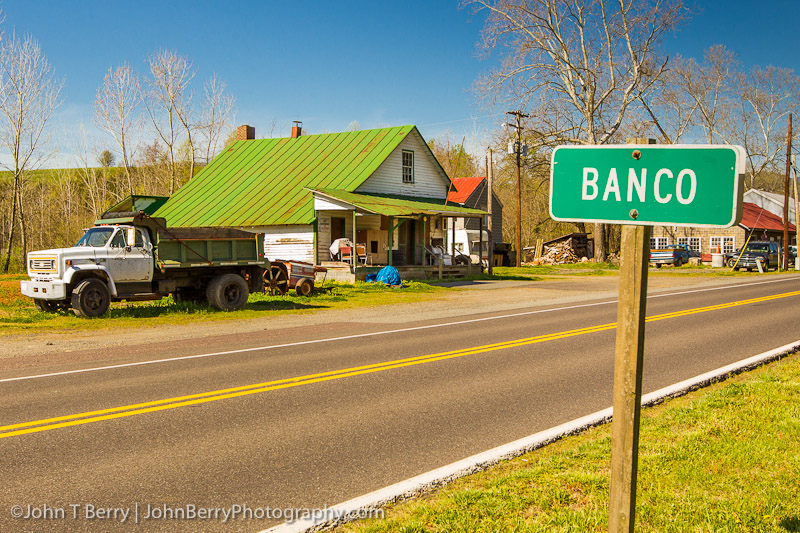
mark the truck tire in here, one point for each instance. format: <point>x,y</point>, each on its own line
<point>227,292</point>
<point>90,298</point>
<point>45,306</point>
<point>304,288</point>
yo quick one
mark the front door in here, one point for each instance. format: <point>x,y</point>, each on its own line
<point>337,228</point>
<point>411,242</point>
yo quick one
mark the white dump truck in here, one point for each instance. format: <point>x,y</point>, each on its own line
<point>136,257</point>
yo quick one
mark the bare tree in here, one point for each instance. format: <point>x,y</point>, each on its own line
<point>114,110</point>
<point>582,61</point>
<point>766,97</point>
<point>29,94</point>
<point>169,105</point>
<point>709,91</point>
<point>217,115</point>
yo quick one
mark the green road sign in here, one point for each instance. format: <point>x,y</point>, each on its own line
<point>650,185</point>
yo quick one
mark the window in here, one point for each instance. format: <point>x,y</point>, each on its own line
<point>408,166</point>
<point>658,243</point>
<point>692,242</point>
<point>119,240</point>
<point>727,244</point>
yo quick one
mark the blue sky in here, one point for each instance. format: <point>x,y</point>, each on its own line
<point>329,63</point>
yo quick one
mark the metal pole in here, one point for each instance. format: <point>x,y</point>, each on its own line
<point>786,198</point>
<point>628,364</point>
<point>490,187</point>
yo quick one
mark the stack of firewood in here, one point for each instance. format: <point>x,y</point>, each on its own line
<point>557,254</point>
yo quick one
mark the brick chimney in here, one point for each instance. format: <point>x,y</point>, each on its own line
<point>297,129</point>
<point>245,133</point>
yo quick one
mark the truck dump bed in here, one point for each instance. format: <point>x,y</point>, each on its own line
<point>184,247</point>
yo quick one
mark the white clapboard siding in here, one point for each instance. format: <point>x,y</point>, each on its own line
<point>429,180</point>
<point>295,243</point>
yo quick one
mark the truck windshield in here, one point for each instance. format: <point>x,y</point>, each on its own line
<point>757,248</point>
<point>96,237</point>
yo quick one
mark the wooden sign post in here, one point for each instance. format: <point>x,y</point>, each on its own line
<point>628,363</point>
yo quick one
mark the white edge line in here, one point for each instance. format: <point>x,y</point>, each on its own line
<point>376,333</point>
<point>351,509</point>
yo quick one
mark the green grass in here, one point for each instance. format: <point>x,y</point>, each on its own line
<point>719,459</point>
<point>17,313</point>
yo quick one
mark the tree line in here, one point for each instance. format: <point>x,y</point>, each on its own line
<point>159,126</point>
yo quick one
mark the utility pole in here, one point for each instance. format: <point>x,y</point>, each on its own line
<point>518,115</point>
<point>489,225</point>
<point>786,197</point>
<point>796,207</point>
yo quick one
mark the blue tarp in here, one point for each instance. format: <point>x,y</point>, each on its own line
<point>389,275</point>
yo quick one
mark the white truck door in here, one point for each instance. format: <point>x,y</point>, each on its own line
<point>130,263</point>
<point>140,257</point>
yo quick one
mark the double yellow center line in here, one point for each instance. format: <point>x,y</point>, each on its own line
<point>223,394</point>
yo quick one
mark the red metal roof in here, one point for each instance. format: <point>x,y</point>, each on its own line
<point>758,218</point>
<point>463,188</point>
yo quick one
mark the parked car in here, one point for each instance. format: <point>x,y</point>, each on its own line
<point>768,252</point>
<point>673,254</point>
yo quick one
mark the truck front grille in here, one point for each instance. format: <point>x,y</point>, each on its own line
<point>42,264</point>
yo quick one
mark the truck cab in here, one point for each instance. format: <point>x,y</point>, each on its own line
<point>120,256</point>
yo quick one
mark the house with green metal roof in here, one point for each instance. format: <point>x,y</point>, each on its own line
<point>382,189</point>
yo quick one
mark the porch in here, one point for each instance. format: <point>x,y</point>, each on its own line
<point>358,234</point>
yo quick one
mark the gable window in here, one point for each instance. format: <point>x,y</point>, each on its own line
<point>408,166</point>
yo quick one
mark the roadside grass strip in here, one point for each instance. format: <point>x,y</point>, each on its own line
<point>36,426</point>
<point>723,458</point>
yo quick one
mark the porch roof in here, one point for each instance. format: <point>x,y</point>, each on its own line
<point>397,206</point>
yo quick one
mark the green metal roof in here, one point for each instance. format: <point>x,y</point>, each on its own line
<point>398,206</point>
<point>265,182</point>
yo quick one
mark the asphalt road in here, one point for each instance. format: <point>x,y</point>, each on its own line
<point>322,416</point>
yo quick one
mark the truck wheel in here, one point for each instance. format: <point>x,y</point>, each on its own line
<point>304,288</point>
<point>45,306</point>
<point>227,292</point>
<point>731,262</point>
<point>90,298</point>
<point>658,265</point>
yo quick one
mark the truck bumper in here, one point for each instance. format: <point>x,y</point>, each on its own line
<point>44,290</point>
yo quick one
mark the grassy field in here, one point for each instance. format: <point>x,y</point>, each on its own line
<point>721,459</point>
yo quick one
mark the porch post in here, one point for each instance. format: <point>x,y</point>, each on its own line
<point>480,244</point>
<point>453,238</point>
<point>424,237</point>
<point>353,254</point>
<point>391,244</point>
